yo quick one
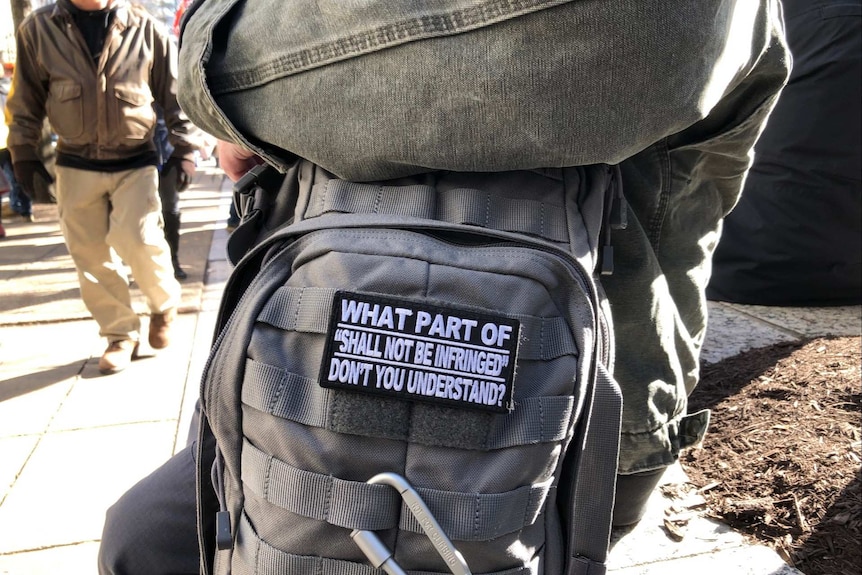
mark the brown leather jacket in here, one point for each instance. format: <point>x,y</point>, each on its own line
<point>99,111</point>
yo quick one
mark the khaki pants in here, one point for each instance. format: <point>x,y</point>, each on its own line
<point>119,210</point>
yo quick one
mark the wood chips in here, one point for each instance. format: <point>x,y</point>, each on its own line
<point>781,460</point>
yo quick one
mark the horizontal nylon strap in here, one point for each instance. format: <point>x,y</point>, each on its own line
<point>348,504</point>
<point>304,309</point>
<point>308,310</point>
<point>359,505</point>
<point>459,206</point>
<point>306,402</point>
<point>480,517</point>
<point>296,398</point>
<point>260,557</point>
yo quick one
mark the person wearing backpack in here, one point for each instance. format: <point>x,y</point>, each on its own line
<point>691,90</point>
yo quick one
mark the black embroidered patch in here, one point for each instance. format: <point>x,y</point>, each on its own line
<point>420,352</point>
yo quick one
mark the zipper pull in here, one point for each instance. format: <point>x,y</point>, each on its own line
<point>224,539</point>
<point>616,218</point>
<point>607,260</point>
<point>619,210</point>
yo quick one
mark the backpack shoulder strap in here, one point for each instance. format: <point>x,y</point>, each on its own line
<point>591,469</point>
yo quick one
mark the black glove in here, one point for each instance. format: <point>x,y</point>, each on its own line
<point>184,167</point>
<point>25,173</point>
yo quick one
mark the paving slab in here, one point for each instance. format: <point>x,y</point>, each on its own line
<point>36,375</point>
<point>150,390</point>
<point>731,332</point>
<point>14,453</point>
<point>735,328</point>
<point>72,440</point>
<point>71,479</point>
<point>698,545</point>
<point>75,559</point>
<point>23,347</point>
<point>808,321</point>
<point>736,561</point>
<point>31,412</point>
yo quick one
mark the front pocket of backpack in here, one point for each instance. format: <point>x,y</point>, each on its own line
<point>487,473</point>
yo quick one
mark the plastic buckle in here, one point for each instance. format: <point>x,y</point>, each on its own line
<point>243,189</point>
<point>382,558</point>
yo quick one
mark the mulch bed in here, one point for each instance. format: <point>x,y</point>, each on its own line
<point>781,460</point>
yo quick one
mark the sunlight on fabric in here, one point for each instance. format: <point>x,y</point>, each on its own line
<point>735,56</point>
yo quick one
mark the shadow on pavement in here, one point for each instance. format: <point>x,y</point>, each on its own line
<point>30,382</point>
<point>11,303</point>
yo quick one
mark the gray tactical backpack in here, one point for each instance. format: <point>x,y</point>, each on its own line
<point>412,376</point>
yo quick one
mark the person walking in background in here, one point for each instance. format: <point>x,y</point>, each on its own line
<point>4,132</point>
<point>173,179</point>
<point>19,202</point>
<point>94,68</point>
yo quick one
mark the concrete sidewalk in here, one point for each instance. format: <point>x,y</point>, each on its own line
<point>72,441</point>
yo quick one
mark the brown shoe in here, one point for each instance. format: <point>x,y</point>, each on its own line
<point>160,328</point>
<point>118,356</point>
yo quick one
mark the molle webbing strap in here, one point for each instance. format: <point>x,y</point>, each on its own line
<point>307,403</point>
<point>308,310</point>
<point>261,557</point>
<point>360,505</point>
<point>535,420</point>
<point>299,309</point>
<point>459,206</point>
<point>348,504</point>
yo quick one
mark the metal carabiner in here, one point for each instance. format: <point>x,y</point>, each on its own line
<point>382,558</point>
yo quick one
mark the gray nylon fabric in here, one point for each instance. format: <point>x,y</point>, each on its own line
<point>359,505</point>
<point>267,559</point>
<point>297,455</point>
<point>537,419</point>
<point>593,467</point>
<point>463,206</point>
